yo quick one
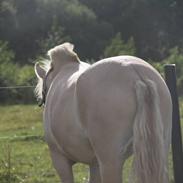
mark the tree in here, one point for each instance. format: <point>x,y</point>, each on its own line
<point>175,56</point>
<point>55,37</point>
<point>118,47</point>
<point>6,55</point>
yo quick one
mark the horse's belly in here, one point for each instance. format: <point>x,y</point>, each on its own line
<point>73,145</point>
<point>79,151</point>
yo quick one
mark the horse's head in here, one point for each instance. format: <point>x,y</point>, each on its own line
<point>59,56</point>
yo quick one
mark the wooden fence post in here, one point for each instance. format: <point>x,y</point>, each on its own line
<point>177,153</point>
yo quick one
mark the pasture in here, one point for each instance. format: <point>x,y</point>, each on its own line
<point>24,155</point>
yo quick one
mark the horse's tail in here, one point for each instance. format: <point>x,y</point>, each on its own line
<point>148,140</point>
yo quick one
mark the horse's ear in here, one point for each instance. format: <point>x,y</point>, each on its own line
<point>69,46</point>
<point>61,53</point>
<point>40,72</point>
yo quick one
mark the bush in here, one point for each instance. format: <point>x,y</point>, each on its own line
<point>26,76</point>
<point>55,37</point>
<point>118,47</point>
<point>8,70</point>
<point>175,57</point>
<point>12,74</point>
<point>6,55</point>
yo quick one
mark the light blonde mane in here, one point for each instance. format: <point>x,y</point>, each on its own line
<point>56,54</point>
<point>46,65</point>
<point>63,51</point>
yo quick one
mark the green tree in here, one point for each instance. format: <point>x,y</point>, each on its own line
<point>6,55</point>
<point>147,21</point>
<point>12,74</point>
<point>90,24</point>
<point>118,47</point>
<point>7,68</point>
<point>175,57</point>
<point>55,37</point>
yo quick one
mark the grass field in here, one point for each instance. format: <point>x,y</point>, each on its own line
<point>24,156</point>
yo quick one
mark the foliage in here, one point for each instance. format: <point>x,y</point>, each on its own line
<point>118,47</point>
<point>26,76</point>
<point>175,57</point>
<point>7,68</point>
<point>6,55</point>
<point>12,74</point>
<point>56,36</point>
<point>97,28</point>
<point>91,24</point>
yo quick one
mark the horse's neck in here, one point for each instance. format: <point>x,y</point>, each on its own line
<point>63,87</point>
<point>72,69</point>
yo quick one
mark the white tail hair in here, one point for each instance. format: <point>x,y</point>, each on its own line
<point>148,139</point>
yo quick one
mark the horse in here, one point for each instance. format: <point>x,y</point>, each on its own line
<point>103,113</point>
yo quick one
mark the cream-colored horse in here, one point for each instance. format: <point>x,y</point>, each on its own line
<point>102,113</point>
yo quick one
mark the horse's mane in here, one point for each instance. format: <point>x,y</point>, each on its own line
<point>46,65</point>
<point>56,54</point>
<point>63,51</point>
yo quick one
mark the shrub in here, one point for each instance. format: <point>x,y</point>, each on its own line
<point>55,37</point>
<point>175,57</point>
<point>6,55</point>
<point>118,47</point>
<point>12,74</point>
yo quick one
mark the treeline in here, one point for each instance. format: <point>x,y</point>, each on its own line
<point>150,29</point>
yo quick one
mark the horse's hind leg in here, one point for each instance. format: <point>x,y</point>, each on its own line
<point>108,172</point>
<point>111,170</point>
<point>63,167</point>
<point>94,173</point>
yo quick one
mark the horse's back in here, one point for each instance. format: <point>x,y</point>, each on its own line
<point>109,84</point>
<point>118,75</point>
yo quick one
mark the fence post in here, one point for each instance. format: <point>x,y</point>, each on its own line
<point>177,153</point>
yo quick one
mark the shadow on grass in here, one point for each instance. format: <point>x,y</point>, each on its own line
<point>35,138</point>
<point>6,178</point>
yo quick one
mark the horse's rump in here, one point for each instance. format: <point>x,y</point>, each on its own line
<point>107,104</point>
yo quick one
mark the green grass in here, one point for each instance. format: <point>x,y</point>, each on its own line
<point>24,156</point>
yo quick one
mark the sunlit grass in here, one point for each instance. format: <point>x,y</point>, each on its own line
<point>24,155</point>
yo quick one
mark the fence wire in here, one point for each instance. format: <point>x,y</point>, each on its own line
<point>15,87</point>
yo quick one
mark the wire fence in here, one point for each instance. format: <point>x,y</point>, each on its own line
<point>16,87</point>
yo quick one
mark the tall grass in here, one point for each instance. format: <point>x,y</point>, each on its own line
<point>24,155</point>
